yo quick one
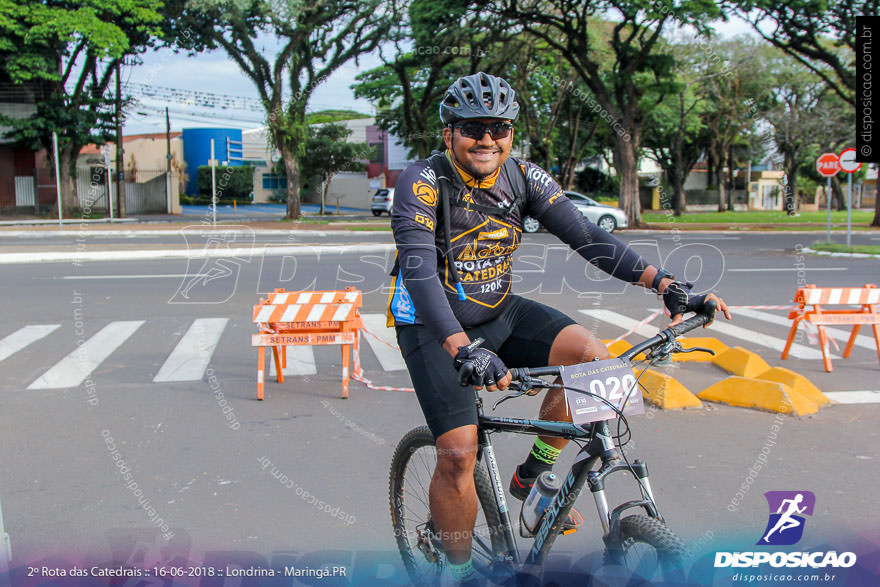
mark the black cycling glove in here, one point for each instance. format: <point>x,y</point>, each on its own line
<point>678,299</point>
<point>484,368</point>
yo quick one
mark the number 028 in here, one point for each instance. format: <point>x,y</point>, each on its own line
<point>613,388</point>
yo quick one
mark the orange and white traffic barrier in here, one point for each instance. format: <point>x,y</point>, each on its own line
<point>818,298</point>
<point>288,318</point>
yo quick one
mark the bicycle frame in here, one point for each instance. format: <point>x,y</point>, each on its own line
<point>600,446</point>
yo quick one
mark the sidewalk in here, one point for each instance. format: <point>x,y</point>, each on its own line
<point>201,215</point>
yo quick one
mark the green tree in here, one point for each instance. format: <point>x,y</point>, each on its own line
<point>327,153</point>
<point>802,114</point>
<point>631,77</point>
<point>737,89</point>
<point>555,116</point>
<point>64,53</point>
<point>821,34</point>
<point>433,44</point>
<point>676,135</point>
<point>313,40</point>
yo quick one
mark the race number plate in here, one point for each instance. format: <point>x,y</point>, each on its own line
<point>612,380</point>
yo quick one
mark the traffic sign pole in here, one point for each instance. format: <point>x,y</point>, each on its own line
<point>849,164</point>
<point>849,210</point>
<point>828,206</point>
<point>828,164</point>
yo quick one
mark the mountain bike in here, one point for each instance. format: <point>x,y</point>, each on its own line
<point>639,541</point>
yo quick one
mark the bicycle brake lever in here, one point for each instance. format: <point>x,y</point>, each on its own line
<point>507,397</point>
<point>697,349</point>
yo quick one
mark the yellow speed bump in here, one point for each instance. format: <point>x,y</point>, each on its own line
<point>742,362</point>
<point>747,392</point>
<point>705,342</point>
<point>665,392</point>
<point>797,382</point>
<point>615,348</point>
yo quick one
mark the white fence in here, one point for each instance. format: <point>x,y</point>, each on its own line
<point>140,198</point>
<point>24,191</point>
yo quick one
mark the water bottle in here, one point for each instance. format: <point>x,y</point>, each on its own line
<point>546,486</point>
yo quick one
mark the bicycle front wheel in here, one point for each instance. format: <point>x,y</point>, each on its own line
<point>417,539</point>
<point>648,548</point>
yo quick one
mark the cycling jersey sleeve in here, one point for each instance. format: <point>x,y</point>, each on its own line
<point>548,203</point>
<point>413,222</point>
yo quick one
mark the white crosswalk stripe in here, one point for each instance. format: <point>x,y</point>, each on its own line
<point>73,369</point>
<point>854,397</point>
<point>389,357</point>
<point>194,350</point>
<point>719,327</point>
<point>624,322</point>
<point>190,358</point>
<point>841,336</point>
<point>24,337</point>
<point>300,361</point>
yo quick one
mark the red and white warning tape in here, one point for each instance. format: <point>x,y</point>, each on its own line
<point>358,372</point>
<point>637,326</point>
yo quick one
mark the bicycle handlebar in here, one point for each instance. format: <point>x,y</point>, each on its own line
<point>672,332</point>
<point>665,335</point>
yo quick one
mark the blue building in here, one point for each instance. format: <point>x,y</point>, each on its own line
<point>197,151</point>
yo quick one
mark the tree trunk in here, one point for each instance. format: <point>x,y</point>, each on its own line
<point>838,197</point>
<point>677,192</point>
<point>626,162</point>
<point>876,221</point>
<point>792,196</point>
<point>67,170</point>
<point>291,170</point>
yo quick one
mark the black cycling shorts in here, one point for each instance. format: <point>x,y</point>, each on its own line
<point>521,335</point>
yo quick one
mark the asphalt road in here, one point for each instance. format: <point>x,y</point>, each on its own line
<point>202,451</point>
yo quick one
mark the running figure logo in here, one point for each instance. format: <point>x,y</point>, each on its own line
<point>786,524</point>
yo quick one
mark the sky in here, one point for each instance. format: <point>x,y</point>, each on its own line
<point>216,73</point>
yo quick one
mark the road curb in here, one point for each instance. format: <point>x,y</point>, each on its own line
<point>200,253</point>
<point>771,396</point>
<point>666,392</point>
<point>833,254</point>
<point>741,362</point>
<point>797,383</point>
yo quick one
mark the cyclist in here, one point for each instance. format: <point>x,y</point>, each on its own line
<point>457,220</point>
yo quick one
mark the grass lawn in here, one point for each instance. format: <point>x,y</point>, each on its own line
<point>840,248</point>
<point>759,217</point>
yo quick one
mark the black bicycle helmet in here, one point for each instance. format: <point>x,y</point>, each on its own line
<point>478,96</point>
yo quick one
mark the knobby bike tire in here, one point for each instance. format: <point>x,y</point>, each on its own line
<point>421,570</point>
<point>642,529</point>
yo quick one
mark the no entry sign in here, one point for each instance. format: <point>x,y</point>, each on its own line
<point>848,161</point>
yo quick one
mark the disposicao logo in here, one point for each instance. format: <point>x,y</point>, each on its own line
<point>785,527</point>
<point>787,510</point>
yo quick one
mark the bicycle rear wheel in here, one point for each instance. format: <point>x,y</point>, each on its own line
<point>418,541</point>
<point>648,548</point>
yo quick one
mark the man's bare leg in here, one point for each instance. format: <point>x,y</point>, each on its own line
<point>452,496</point>
<point>574,344</point>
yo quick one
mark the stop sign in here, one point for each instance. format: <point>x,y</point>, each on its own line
<point>828,164</point>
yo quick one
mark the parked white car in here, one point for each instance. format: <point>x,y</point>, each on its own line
<point>609,218</point>
<point>382,201</point>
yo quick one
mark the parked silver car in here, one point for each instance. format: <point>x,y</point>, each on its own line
<point>609,218</point>
<point>382,201</point>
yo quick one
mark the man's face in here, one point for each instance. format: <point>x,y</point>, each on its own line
<point>479,157</point>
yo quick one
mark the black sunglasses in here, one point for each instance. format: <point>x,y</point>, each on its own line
<point>476,130</point>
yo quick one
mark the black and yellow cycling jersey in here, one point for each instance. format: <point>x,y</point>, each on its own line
<point>482,243</point>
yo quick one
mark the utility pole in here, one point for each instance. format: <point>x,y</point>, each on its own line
<point>167,162</point>
<point>120,161</point>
